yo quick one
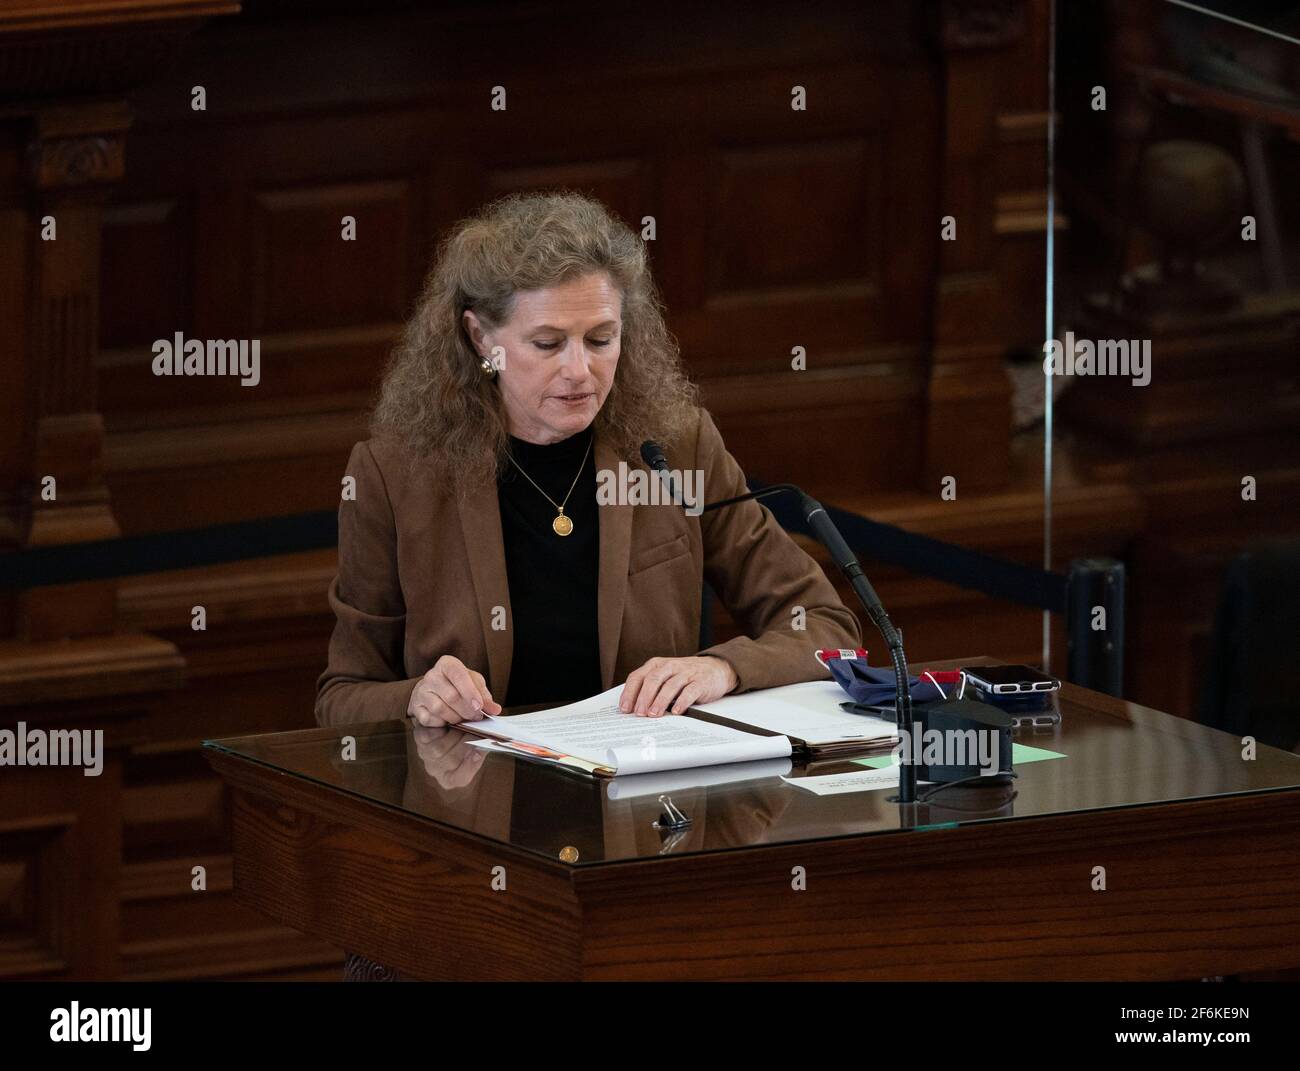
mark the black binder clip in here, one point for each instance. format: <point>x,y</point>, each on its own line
<point>672,817</point>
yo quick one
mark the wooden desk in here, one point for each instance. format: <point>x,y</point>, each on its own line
<point>393,855</point>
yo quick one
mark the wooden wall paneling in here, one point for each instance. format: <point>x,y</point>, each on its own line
<point>1020,161</point>
<point>969,395</point>
<point>146,287</point>
<point>871,419</point>
<point>295,232</point>
<point>59,866</point>
<point>252,670</point>
<point>16,432</point>
<point>847,288</point>
<point>64,73</point>
<point>318,349</point>
<point>170,931</point>
<point>61,830</point>
<point>1020,225</point>
<point>710,338</point>
<point>321,356</point>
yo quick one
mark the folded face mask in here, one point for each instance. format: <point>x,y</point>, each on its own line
<point>873,686</point>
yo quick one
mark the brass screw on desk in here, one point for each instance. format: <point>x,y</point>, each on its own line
<point>569,854</point>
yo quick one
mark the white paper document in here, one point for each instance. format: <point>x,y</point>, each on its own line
<point>653,784</point>
<point>809,712</point>
<point>596,730</point>
<point>834,784</point>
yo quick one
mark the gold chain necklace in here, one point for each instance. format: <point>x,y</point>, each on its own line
<point>562,525</point>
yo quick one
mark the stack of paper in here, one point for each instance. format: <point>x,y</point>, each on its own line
<point>604,740</point>
<point>809,714</point>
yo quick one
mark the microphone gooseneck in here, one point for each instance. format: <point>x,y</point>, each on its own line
<point>829,536</point>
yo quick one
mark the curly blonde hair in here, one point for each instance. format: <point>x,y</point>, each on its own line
<point>435,400</point>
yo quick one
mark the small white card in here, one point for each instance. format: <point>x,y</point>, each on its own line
<point>866,780</point>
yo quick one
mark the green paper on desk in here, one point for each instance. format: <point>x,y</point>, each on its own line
<point>1020,754</point>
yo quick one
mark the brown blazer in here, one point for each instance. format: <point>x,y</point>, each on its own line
<point>419,576</point>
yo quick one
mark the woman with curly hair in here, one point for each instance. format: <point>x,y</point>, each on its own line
<point>480,565</point>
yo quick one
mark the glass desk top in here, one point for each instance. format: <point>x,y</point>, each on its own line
<point>1117,755</point>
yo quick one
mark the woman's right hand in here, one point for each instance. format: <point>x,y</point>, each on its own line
<point>450,693</point>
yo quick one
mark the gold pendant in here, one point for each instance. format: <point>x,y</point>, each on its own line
<point>562,525</point>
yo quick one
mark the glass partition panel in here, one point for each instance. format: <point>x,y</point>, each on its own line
<point>1172,366</point>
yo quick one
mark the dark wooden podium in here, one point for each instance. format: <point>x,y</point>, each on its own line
<point>415,854</point>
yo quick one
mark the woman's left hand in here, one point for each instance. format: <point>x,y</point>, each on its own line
<point>679,681</point>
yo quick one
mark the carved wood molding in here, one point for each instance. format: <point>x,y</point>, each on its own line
<point>72,147</point>
<point>74,152</point>
<point>56,48</point>
<point>61,671</point>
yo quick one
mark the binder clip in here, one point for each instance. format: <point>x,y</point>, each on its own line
<point>672,817</point>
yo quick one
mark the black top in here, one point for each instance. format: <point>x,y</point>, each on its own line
<point>552,577</point>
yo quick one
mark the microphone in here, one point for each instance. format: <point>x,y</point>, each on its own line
<point>653,455</point>
<point>829,536</point>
